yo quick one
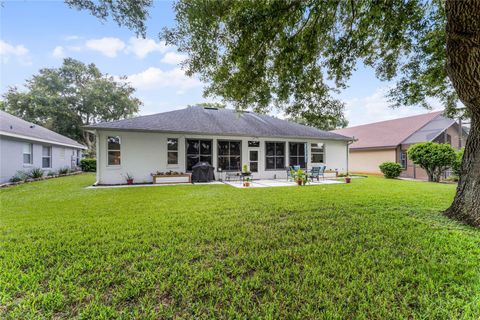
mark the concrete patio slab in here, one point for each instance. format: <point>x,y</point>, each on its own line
<point>277,183</point>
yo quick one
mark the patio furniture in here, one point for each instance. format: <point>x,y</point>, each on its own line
<point>291,173</point>
<point>317,172</point>
<point>232,176</point>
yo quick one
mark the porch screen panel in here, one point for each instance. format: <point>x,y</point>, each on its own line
<point>229,155</point>
<point>198,151</point>
<point>297,154</point>
<point>274,155</point>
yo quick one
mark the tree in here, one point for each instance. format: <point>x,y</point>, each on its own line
<point>432,157</point>
<point>326,116</point>
<point>292,54</point>
<point>67,98</point>
<point>457,164</point>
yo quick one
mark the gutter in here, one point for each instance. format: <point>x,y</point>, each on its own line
<point>20,136</point>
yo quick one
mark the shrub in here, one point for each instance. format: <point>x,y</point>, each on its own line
<point>458,162</point>
<point>88,164</point>
<point>64,170</point>
<point>391,170</point>
<point>433,157</point>
<point>51,173</point>
<point>35,173</point>
<point>19,176</point>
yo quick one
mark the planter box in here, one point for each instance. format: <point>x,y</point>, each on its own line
<point>167,179</point>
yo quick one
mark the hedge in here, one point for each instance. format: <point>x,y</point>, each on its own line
<point>88,164</point>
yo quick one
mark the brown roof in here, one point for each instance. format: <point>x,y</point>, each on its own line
<point>386,134</point>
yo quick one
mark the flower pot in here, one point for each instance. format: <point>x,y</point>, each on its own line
<point>246,184</point>
<point>130,181</point>
<point>348,180</point>
<point>299,182</point>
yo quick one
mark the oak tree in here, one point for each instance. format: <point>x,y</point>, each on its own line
<point>293,54</point>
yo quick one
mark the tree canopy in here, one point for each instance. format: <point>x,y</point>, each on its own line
<point>433,157</point>
<point>67,98</point>
<point>295,54</point>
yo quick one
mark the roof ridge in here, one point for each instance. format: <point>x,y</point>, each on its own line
<point>396,119</point>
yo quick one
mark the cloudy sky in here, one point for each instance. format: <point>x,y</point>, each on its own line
<point>40,34</point>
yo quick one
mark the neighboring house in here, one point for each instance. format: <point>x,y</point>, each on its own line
<point>24,145</point>
<point>389,140</point>
<point>227,139</point>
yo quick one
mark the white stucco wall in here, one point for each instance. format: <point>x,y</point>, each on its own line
<point>11,157</point>
<point>145,152</point>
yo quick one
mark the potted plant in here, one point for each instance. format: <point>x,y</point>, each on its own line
<point>129,178</point>
<point>348,179</point>
<point>246,182</point>
<point>301,177</point>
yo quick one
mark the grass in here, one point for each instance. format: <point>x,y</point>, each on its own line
<point>375,249</point>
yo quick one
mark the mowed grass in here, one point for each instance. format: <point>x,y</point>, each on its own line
<point>375,249</point>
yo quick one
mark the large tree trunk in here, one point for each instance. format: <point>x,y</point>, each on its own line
<point>463,67</point>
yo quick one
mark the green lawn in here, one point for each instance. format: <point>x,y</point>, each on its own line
<point>375,249</point>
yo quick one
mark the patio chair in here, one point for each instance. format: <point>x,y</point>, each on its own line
<point>291,173</point>
<point>317,172</point>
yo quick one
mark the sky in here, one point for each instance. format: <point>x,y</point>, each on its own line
<point>39,34</point>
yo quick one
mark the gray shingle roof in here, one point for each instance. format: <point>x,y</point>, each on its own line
<point>228,122</point>
<point>11,125</point>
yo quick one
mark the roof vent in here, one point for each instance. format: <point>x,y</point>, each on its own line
<point>32,126</point>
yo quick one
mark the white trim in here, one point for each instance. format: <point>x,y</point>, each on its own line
<point>13,135</point>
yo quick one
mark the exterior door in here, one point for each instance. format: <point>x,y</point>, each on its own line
<point>253,159</point>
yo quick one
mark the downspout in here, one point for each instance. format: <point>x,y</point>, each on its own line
<point>98,155</point>
<point>349,142</point>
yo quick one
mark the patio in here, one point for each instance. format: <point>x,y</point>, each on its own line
<point>263,183</point>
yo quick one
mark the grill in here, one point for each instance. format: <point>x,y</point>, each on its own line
<point>203,172</point>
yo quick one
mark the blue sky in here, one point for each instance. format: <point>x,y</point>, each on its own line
<point>38,34</point>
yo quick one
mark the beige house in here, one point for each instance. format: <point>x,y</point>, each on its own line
<point>389,140</point>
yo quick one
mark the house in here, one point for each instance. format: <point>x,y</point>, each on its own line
<point>389,140</point>
<point>226,139</point>
<point>24,145</point>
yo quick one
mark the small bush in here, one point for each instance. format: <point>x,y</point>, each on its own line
<point>391,170</point>
<point>458,162</point>
<point>88,164</point>
<point>35,173</point>
<point>51,173</point>
<point>64,170</point>
<point>19,176</point>
<point>433,157</point>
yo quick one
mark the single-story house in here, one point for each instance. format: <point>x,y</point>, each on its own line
<point>389,140</point>
<point>24,145</point>
<point>227,139</point>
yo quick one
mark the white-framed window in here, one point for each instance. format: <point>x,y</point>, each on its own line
<point>317,151</point>
<point>403,159</point>
<point>172,151</point>
<point>27,153</point>
<point>46,157</point>
<point>113,150</point>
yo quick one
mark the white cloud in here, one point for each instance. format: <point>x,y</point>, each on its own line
<point>154,78</point>
<point>58,52</point>
<point>173,58</point>
<point>142,47</point>
<point>108,46</point>
<point>19,52</point>
<point>72,37</point>
<point>376,108</point>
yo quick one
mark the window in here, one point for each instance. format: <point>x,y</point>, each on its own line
<point>297,154</point>
<point>253,144</point>
<point>172,154</point>
<point>27,153</point>
<point>229,155</point>
<point>403,159</point>
<point>318,152</point>
<point>275,155</point>
<point>113,147</point>
<point>198,151</point>
<point>253,160</point>
<point>46,157</point>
